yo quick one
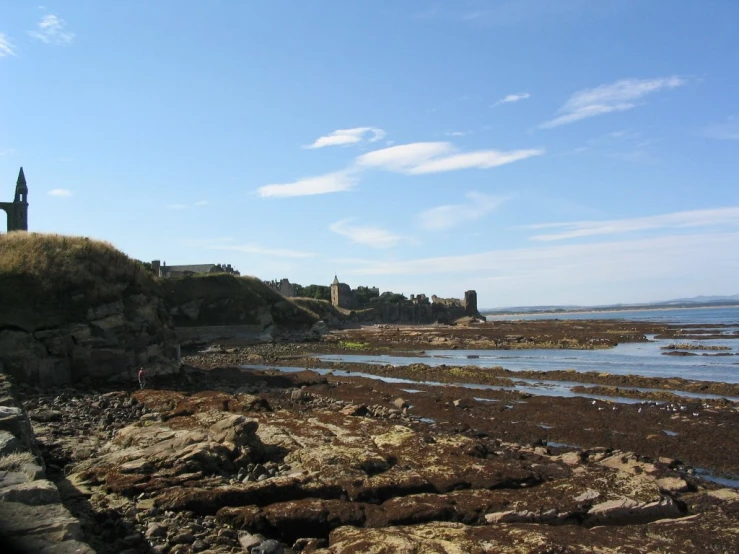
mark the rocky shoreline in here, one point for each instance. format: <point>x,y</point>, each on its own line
<point>224,460</point>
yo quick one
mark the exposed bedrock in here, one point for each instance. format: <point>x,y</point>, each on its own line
<point>108,342</point>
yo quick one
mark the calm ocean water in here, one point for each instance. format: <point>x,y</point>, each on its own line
<point>724,315</point>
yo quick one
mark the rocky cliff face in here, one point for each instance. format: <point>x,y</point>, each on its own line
<point>209,307</point>
<point>111,341</point>
<point>72,308</point>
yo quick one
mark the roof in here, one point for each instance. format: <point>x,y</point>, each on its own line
<point>336,280</point>
<point>197,268</point>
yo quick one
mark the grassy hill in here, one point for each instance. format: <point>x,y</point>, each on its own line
<point>224,299</point>
<point>47,280</point>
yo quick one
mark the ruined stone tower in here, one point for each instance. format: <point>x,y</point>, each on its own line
<point>341,294</point>
<point>17,210</point>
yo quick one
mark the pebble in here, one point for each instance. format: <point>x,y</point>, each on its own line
<point>182,538</point>
<point>270,546</point>
<point>155,530</point>
<point>248,541</point>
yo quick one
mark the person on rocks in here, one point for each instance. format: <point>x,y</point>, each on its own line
<point>142,378</point>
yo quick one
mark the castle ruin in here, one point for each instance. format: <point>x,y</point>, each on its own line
<point>417,309</point>
<point>17,210</point>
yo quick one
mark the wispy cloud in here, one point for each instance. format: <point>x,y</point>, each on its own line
<point>615,97</point>
<point>434,157</point>
<point>343,137</point>
<point>52,30</point>
<point>687,219</point>
<point>458,133</point>
<point>451,215</point>
<point>565,265</point>
<point>729,130</point>
<point>202,203</point>
<point>60,192</point>
<point>7,151</point>
<point>374,237</point>
<point>254,248</point>
<point>323,184</point>
<point>6,47</point>
<point>513,98</point>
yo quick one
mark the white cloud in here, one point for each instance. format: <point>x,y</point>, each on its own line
<point>369,236</point>
<point>451,215</point>
<point>253,248</point>
<point>60,192</point>
<point>513,98</point>
<point>7,151</point>
<point>404,157</point>
<point>342,137</point>
<point>434,157</point>
<point>52,30</point>
<point>568,265</point>
<point>6,47</point>
<point>677,220</point>
<point>177,206</point>
<point>615,97</point>
<point>202,203</point>
<point>331,182</point>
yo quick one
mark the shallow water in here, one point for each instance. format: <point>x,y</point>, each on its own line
<point>732,482</point>
<point>561,389</point>
<point>644,359</point>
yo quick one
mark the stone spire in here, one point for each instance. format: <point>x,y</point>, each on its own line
<point>336,280</point>
<point>21,189</point>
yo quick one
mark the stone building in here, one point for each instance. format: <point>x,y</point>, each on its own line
<point>283,286</point>
<point>17,210</point>
<point>163,270</point>
<point>342,295</point>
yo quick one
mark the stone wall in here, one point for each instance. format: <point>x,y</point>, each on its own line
<point>32,516</point>
<point>109,343</point>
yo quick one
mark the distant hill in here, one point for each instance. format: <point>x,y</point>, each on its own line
<point>693,302</point>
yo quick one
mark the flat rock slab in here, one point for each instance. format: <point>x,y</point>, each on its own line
<point>52,522</point>
<point>455,538</point>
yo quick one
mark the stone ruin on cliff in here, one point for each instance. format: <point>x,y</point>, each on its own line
<point>17,210</point>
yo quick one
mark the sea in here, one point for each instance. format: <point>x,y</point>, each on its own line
<point>721,315</point>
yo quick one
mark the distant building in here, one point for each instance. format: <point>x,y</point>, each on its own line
<point>17,210</point>
<point>283,286</point>
<point>161,269</point>
<point>342,295</point>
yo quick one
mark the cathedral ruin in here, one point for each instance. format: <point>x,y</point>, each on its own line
<point>17,210</point>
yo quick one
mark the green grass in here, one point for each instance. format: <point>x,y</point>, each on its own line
<point>352,345</point>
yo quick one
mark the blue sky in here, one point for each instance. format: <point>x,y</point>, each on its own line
<point>540,152</point>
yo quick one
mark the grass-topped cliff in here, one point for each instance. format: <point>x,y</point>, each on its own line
<point>47,280</point>
<point>224,299</point>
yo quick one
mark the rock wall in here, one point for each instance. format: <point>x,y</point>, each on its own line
<point>415,313</point>
<point>109,342</point>
<point>32,516</point>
